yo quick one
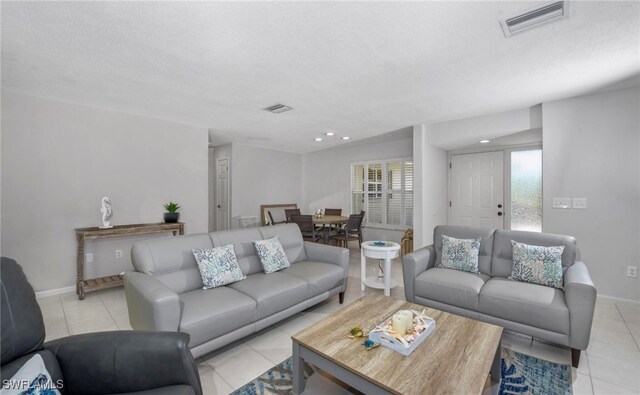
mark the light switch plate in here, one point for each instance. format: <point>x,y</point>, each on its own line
<point>562,203</point>
<point>580,203</point>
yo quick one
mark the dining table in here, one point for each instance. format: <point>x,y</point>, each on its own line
<point>326,221</point>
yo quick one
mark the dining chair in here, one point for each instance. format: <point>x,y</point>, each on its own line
<point>308,230</point>
<point>288,212</point>
<point>272,221</point>
<point>332,211</point>
<point>351,231</point>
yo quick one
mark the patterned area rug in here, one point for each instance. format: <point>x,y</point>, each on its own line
<point>521,374</point>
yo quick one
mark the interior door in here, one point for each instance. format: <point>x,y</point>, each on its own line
<point>222,194</point>
<point>476,190</point>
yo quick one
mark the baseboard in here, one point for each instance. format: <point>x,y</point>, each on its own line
<point>54,292</point>
<point>619,299</point>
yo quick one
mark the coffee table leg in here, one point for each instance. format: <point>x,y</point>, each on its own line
<point>298,370</point>
<point>497,364</point>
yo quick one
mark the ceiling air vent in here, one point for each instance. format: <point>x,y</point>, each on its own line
<point>278,108</point>
<point>535,17</point>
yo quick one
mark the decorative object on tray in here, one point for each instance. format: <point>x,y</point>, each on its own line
<point>106,212</point>
<point>356,332</point>
<point>370,344</point>
<point>403,331</point>
<point>172,214</point>
<point>319,213</point>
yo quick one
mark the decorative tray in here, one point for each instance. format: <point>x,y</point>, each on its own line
<point>387,336</point>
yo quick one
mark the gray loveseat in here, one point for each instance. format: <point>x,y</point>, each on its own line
<point>560,316</point>
<point>165,293</point>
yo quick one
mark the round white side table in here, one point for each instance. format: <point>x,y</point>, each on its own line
<point>388,251</point>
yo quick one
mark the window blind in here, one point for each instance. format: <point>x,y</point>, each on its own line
<point>384,190</point>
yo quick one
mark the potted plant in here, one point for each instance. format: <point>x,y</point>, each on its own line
<point>172,214</point>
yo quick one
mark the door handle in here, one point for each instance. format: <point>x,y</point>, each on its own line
<point>499,212</point>
<point>499,205</point>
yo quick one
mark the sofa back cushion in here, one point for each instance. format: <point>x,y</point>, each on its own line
<point>171,260</point>
<point>502,262</point>
<point>242,240</point>
<point>290,238</point>
<point>465,232</point>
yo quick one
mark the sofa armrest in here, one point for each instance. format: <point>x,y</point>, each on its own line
<point>125,361</point>
<point>330,254</point>
<point>413,264</point>
<point>152,305</point>
<point>580,295</point>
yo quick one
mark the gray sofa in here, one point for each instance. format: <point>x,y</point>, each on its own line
<point>165,293</point>
<point>560,316</point>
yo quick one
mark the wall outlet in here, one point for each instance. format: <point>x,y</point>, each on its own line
<point>580,203</point>
<point>118,254</point>
<point>88,257</point>
<point>632,271</point>
<point>561,203</point>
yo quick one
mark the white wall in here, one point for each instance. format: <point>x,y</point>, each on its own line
<point>327,175</point>
<point>262,176</point>
<point>430,187</point>
<point>59,160</point>
<point>591,149</point>
<point>461,133</point>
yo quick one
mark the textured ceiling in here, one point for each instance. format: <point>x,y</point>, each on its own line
<point>355,68</point>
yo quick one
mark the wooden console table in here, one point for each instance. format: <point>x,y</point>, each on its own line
<point>94,284</point>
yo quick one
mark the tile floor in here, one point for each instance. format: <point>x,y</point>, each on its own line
<point>611,364</point>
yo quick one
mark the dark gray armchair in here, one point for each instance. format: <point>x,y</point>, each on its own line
<point>116,362</point>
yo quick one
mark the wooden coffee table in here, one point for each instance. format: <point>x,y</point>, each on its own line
<point>455,359</point>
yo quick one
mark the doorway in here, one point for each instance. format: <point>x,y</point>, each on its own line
<point>476,190</point>
<point>222,194</point>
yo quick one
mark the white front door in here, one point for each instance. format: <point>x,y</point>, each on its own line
<point>476,190</point>
<point>222,194</point>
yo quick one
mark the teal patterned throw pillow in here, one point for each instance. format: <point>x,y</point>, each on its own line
<point>460,254</point>
<point>537,265</point>
<point>271,255</point>
<point>218,266</point>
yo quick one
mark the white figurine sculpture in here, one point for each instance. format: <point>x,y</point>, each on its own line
<point>107,213</point>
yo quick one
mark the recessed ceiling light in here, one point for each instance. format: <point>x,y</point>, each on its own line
<point>485,141</point>
<point>318,139</point>
<point>329,133</point>
<point>346,138</point>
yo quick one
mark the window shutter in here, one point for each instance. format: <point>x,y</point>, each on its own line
<point>385,191</point>
<point>357,188</point>
<point>408,194</point>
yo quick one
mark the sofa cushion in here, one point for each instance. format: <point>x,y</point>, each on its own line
<point>530,304</point>
<point>320,276</point>
<point>273,292</point>
<point>209,313</point>
<point>465,232</point>
<point>271,254</point>
<point>291,239</point>
<point>460,254</point>
<point>170,260</point>
<point>537,265</point>
<point>450,286</point>
<point>242,240</point>
<point>32,378</point>
<point>502,260</point>
<point>218,266</point>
